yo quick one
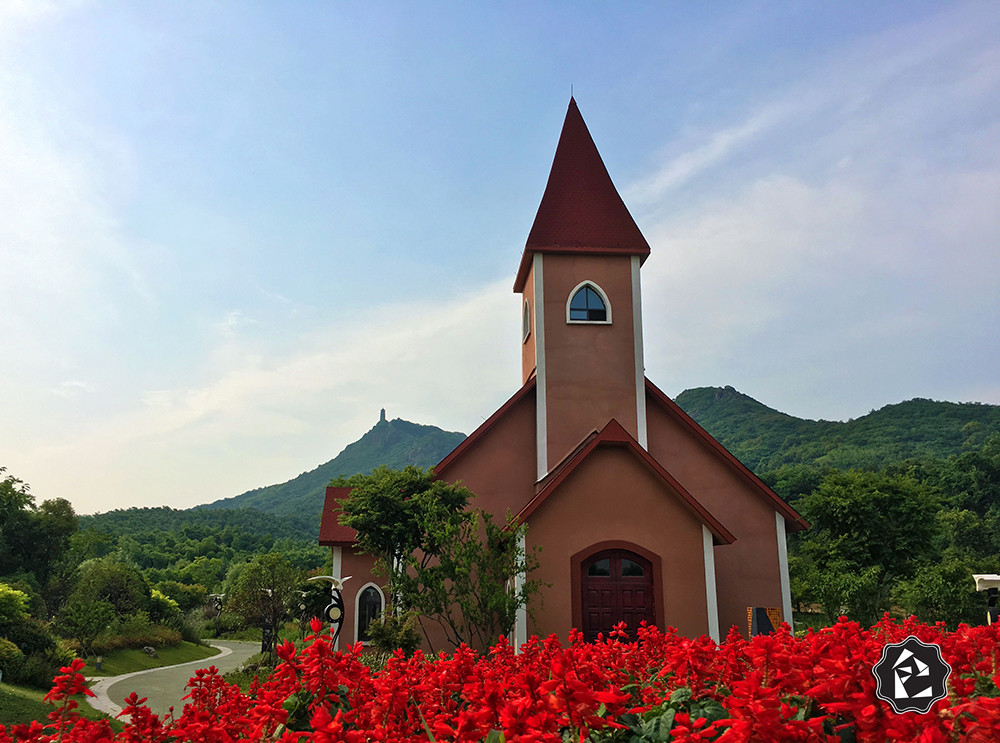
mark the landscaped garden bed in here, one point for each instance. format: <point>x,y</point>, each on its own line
<point>657,687</point>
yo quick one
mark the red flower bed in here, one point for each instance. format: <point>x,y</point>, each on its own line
<point>658,687</point>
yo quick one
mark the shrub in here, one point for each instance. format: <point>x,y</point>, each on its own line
<point>30,635</point>
<point>11,657</point>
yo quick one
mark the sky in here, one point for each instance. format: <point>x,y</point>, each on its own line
<point>231,232</point>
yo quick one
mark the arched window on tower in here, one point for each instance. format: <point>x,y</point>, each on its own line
<point>588,304</point>
<point>526,322</point>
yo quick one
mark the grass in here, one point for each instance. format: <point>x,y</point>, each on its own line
<point>126,661</point>
<point>805,620</point>
<point>20,704</point>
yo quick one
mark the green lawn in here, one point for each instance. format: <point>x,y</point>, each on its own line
<point>20,704</point>
<point>126,661</point>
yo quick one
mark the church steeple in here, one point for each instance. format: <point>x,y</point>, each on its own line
<point>581,210</point>
<point>582,317</point>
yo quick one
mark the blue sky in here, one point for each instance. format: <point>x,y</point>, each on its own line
<point>230,232</point>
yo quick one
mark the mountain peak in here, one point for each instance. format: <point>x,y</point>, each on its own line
<point>394,443</point>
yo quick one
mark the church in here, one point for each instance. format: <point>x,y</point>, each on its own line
<point>640,514</point>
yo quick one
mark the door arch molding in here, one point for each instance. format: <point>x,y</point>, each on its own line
<point>576,565</point>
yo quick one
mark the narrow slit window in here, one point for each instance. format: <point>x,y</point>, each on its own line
<point>587,306</point>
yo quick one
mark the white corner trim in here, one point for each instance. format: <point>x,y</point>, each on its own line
<point>786,586</point>
<point>640,364</point>
<point>712,598</point>
<point>338,562</point>
<point>604,297</point>
<point>357,604</point>
<point>521,618</point>
<point>541,418</point>
<point>337,572</point>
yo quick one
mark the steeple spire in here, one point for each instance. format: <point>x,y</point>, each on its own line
<point>581,211</point>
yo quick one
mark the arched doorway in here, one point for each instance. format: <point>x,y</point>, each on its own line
<point>616,586</point>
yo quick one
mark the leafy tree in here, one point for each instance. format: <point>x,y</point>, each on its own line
<point>453,566</point>
<point>264,591</point>
<point>868,531</point>
<point>31,539</point>
<point>119,583</point>
<point>13,604</point>
<point>85,620</point>
<point>944,591</point>
<point>186,596</point>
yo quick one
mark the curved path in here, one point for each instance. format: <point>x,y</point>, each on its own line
<point>165,686</point>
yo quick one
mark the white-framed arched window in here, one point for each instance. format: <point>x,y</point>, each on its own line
<point>588,305</point>
<point>368,607</point>
<point>525,322</point>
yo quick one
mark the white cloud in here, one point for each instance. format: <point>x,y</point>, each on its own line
<point>712,151</point>
<point>268,418</point>
<point>854,245</point>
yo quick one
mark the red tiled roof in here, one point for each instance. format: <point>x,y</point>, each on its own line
<point>331,531</point>
<point>581,210</point>
<point>613,434</point>
<point>793,518</point>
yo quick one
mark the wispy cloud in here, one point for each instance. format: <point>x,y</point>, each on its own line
<point>835,280</point>
<point>265,418</point>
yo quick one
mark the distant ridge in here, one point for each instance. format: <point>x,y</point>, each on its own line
<point>765,439</point>
<point>394,443</point>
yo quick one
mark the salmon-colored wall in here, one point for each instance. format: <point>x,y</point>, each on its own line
<point>747,571</point>
<point>589,369</point>
<point>359,567</point>
<point>500,467</point>
<point>612,496</point>
<point>528,345</point>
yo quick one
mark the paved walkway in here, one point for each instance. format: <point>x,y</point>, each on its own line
<point>165,686</point>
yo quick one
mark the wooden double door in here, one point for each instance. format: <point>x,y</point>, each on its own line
<point>616,586</point>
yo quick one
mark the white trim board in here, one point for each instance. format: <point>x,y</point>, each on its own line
<point>541,419</point>
<point>711,596</point>
<point>786,586</point>
<point>640,365</point>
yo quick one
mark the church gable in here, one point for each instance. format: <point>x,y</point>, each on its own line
<point>611,504</point>
<point>613,436</point>
<point>698,460</point>
<point>497,460</point>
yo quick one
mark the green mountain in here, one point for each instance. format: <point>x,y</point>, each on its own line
<point>394,443</point>
<point>765,439</point>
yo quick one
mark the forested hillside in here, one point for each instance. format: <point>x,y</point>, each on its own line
<point>198,547</point>
<point>394,443</point>
<point>765,439</point>
<point>904,502</point>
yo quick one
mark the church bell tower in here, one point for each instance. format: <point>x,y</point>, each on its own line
<point>582,317</point>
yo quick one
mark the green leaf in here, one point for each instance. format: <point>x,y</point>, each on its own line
<point>681,695</point>
<point>658,728</point>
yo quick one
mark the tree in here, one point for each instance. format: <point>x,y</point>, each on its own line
<point>869,530</point>
<point>264,590</point>
<point>31,539</point>
<point>119,583</point>
<point>453,566</point>
<point>85,620</point>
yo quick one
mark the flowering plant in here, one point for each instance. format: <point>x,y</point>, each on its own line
<point>658,686</point>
